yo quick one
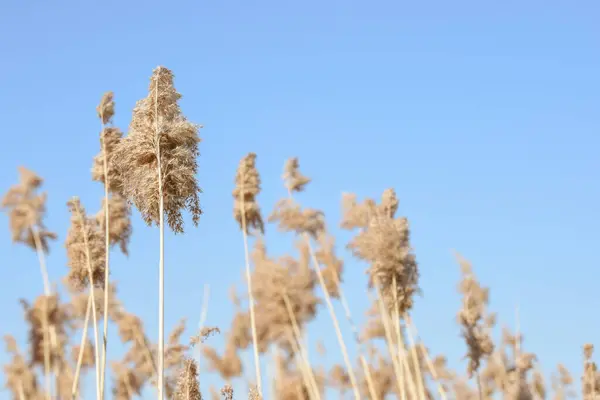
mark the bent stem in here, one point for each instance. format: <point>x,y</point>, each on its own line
<point>363,361</point>
<point>412,331</point>
<point>91,282</point>
<point>250,295</point>
<point>336,324</point>
<point>82,347</point>
<point>334,319</point>
<point>300,349</point>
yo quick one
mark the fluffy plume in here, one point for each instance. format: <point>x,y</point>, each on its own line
<point>274,279</point>
<point>20,378</point>
<point>188,387</point>
<point>106,108</point>
<point>85,243</point>
<point>472,318</point>
<point>56,317</point>
<point>110,138</point>
<point>294,180</point>
<point>332,273</point>
<point>26,210</point>
<point>159,135</point>
<point>247,187</point>
<point>384,242</point>
<point>292,218</point>
<point>120,228</point>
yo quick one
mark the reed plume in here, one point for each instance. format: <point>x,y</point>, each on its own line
<point>26,210</point>
<point>20,377</point>
<point>104,170</point>
<point>157,162</point>
<point>246,212</point>
<point>474,320</point>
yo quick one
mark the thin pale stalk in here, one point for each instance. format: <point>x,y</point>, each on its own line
<point>42,260</point>
<point>270,379</point>
<point>203,316</point>
<point>419,376</point>
<point>148,353</point>
<point>277,373</point>
<point>336,323</point>
<point>305,369</point>
<point>161,264</point>
<point>356,335</point>
<point>301,350</point>
<point>390,342</point>
<point>21,391</point>
<point>82,347</point>
<point>334,319</point>
<point>107,262</point>
<point>47,374</point>
<point>250,295</point>
<point>45,326</point>
<point>411,327</point>
<point>91,283</point>
<point>369,378</point>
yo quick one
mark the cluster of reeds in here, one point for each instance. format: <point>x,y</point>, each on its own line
<point>153,169</point>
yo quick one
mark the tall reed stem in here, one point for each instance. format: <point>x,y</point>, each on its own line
<point>48,331</point>
<point>161,265</point>
<point>250,294</point>
<point>107,261</point>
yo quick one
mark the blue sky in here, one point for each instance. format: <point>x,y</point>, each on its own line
<point>482,116</point>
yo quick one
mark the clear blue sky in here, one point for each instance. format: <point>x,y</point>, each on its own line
<point>482,116</point>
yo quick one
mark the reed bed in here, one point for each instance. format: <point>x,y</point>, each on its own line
<point>152,169</point>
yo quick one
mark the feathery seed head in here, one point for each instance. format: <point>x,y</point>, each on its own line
<point>45,309</point>
<point>384,242</point>
<point>106,108</point>
<point>332,273</point>
<point>277,282</point>
<point>247,187</point>
<point>294,180</point>
<point>85,248</point>
<point>110,137</point>
<point>473,319</point>
<point>26,210</point>
<point>160,136</point>
<point>19,375</point>
<point>188,387</point>
<point>292,218</point>
<point>120,221</point>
